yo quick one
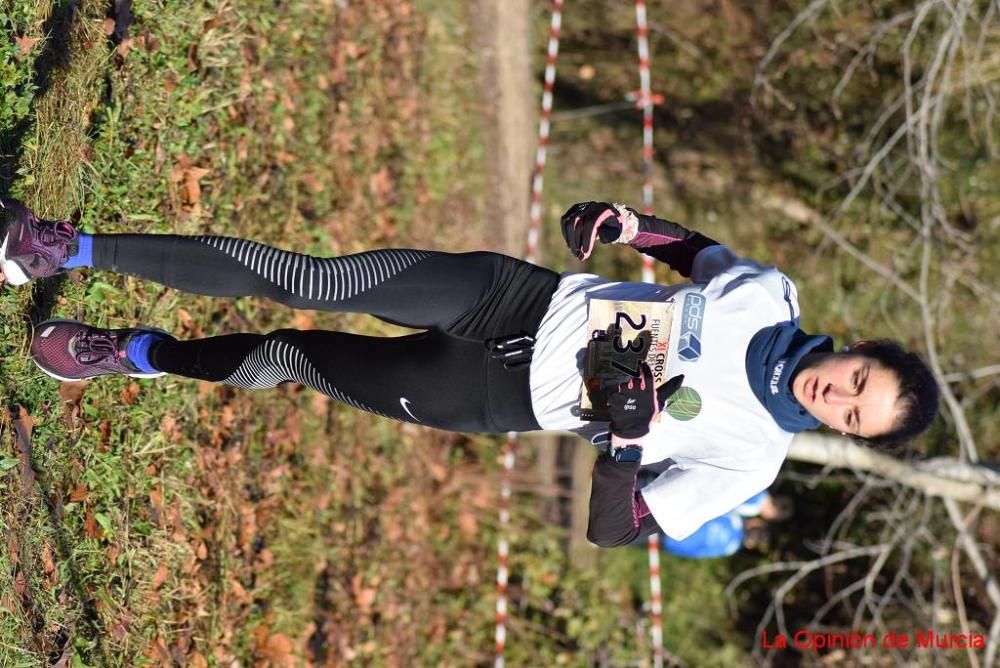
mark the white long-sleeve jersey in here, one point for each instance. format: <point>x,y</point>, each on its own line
<point>716,444</point>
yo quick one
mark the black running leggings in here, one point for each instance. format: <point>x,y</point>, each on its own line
<point>444,377</point>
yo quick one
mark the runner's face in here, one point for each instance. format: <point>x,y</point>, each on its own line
<point>848,392</point>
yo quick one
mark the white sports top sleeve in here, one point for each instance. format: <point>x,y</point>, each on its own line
<point>722,445</point>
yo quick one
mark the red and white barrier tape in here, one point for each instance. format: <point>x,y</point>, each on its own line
<point>655,602</point>
<point>646,102</point>
<point>503,548</point>
<point>503,545</point>
<point>543,130</point>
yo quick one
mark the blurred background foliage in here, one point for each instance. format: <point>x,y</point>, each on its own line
<point>792,132</point>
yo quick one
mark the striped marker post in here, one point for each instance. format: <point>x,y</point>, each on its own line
<point>656,604</point>
<point>530,255</point>
<point>544,124</point>
<point>646,101</point>
<point>503,548</point>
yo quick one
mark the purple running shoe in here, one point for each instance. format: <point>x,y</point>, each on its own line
<point>32,247</point>
<point>70,350</point>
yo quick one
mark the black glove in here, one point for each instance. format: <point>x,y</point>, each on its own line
<point>587,221</point>
<point>636,404</point>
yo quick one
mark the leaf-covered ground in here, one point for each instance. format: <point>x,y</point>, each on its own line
<point>177,523</point>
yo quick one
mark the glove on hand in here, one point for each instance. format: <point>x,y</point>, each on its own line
<point>636,404</point>
<point>583,223</point>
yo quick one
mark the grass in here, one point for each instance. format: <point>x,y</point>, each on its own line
<point>193,523</point>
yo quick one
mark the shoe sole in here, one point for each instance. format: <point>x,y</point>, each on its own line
<point>157,374</point>
<point>11,270</point>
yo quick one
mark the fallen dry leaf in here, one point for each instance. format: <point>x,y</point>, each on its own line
<point>25,45</point>
<point>22,424</point>
<point>175,521</point>
<point>313,183</point>
<point>72,390</point>
<point>105,431</point>
<point>130,393</point>
<point>71,394</point>
<point>160,576</point>
<point>304,320</point>
<point>239,592</point>
<point>264,561</point>
<point>467,523</point>
<point>206,388</point>
<point>125,47</point>
<point>49,566</point>
<point>278,649</point>
<point>157,650</point>
<point>90,526</point>
<point>227,418</point>
<point>78,494</point>
<point>118,631</point>
<point>156,501</point>
<point>320,403</point>
<point>437,471</point>
<point>21,585</point>
<point>170,428</point>
<point>381,183</point>
<point>189,327</point>
<point>13,549</point>
<point>363,596</point>
<point>191,188</point>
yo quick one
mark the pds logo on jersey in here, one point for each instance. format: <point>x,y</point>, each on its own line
<point>692,315</point>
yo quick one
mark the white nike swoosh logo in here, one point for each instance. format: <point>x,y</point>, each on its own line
<point>403,401</point>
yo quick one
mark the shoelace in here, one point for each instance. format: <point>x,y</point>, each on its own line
<point>51,231</point>
<point>55,236</point>
<point>96,347</point>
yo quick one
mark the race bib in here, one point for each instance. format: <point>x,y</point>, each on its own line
<point>622,334</point>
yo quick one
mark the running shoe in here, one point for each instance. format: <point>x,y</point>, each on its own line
<point>32,247</point>
<point>70,350</point>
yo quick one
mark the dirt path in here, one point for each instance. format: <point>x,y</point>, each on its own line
<point>503,30</point>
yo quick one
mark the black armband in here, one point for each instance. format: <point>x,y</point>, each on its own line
<point>665,241</point>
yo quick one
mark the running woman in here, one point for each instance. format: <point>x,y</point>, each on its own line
<point>502,349</point>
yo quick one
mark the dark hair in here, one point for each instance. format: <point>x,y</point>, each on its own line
<point>918,392</point>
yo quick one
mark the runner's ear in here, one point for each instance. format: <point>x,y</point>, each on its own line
<point>664,391</point>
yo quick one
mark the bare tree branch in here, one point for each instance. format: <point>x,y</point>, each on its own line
<point>956,585</point>
<point>972,551</point>
<point>906,166</point>
<point>841,452</point>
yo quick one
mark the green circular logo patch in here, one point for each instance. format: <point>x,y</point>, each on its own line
<point>684,404</point>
